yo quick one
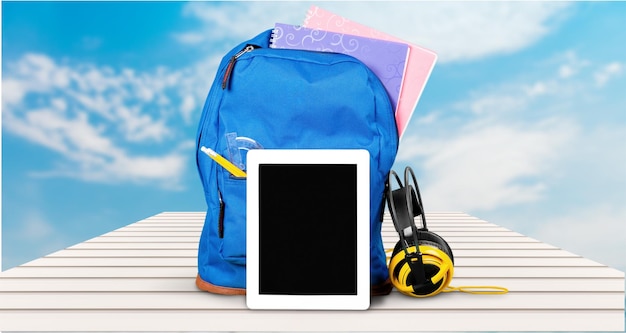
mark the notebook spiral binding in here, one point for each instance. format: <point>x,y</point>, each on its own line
<point>276,34</point>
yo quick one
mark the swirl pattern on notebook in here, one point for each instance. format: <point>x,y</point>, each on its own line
<point>386,59</point>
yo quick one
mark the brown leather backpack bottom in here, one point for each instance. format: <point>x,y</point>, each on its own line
<point>377,290</point>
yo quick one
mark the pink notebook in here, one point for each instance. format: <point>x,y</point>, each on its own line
<point>387,59</point>
<point>419,65</point>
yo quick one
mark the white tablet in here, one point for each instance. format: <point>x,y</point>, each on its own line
<point>308,229</point>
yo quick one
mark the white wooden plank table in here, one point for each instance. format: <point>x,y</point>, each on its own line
<point>142,278</point>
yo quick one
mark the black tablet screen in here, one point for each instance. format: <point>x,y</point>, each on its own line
<point>307,229</point>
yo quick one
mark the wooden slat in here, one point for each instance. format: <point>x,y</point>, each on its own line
<point>113,262</point>
<point>103,272</point>
<point>538,272</point>
<point>394,301</point>
<point>474,239</point>
<point>176,233</point>
<point>495,246</point>
<point>192,261</point>
<point>98,284</point>
<point>142,277</point>
<point>193,251</point>
<point>145,239</point>
<point>335,321</point>
<point>163,227</point>
<point>125,253</point>
<point>187,284</point>
<point>132,246</point>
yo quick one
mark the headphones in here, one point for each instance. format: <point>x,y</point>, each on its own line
<point>422,263</point>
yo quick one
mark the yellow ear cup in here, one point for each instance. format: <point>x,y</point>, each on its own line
<point>430,256</point>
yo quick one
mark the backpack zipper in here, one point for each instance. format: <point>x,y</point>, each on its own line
<point>231,64</point>
<point>220,218</point>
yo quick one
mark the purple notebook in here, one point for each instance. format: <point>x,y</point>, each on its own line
<point>386,59</point>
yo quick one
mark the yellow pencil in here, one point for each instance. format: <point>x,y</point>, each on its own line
<point>235,171</point>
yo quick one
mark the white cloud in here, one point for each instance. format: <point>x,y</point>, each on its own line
<point>457,31</point>
<point>108,124</point>
<point>460,31</point>
<point>139,126</point>
<point>251,18</point>
<point>427,119</point>
<point>489,165</point>
<point>96,118</point>
<point>91,43</point>
<point>38,233</point>
<point>510,142</point>
<point>188,105</point>
<point>563,79</point>
<point>93,89</point>
<point>597,167</point>
<point>536,89</point>
<point>89,154</point>
<point>611,70</point>
<point>528,154</point>
<point>596,231</point>
<point>190,37</point>
<point>570,64</point>
<point>498,103</point>
<point>475,30</point>
<point>59,104</point>
<point>34,227</point>
<point>194,85</point>
<point>566,71</point>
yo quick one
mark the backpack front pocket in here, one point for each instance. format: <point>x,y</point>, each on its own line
<point>232,218</point>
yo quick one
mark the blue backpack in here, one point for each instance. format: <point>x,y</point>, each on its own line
<point>275,98</point>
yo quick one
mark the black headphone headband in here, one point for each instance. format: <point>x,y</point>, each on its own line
<point>414,199</point>
<point>405,203</point>
<point>399,214</point>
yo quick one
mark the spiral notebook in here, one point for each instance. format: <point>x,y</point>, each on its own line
<point>386,59</point>
<point>420,63</point>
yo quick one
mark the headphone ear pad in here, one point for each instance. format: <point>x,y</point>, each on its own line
<point>436,253</point>
<point>432,239</point>
<point>427,238</point>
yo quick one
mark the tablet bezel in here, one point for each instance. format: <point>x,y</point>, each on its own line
<point>358,157</point>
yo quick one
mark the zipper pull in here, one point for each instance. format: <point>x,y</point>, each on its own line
<point>231,64</point>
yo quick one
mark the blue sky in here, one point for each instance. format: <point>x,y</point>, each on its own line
<point>522,123</point>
